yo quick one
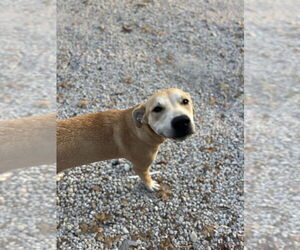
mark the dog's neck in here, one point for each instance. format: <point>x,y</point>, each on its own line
<point>157,138</point>
<point>145,133</point>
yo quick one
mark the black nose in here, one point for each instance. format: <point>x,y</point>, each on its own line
<point>181,122</point>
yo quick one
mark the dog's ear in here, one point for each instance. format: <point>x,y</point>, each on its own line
<point>138,115</point>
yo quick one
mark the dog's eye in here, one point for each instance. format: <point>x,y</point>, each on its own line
<point>185,101</point>
<point>157,109</point>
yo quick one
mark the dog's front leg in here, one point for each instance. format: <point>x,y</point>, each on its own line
<point>144,174</point>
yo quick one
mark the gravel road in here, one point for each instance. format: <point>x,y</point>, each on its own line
<point>272,104</point>
<point>27,88</point>
<point>113,55</point>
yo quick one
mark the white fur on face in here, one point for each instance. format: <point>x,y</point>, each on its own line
<point>172,107</point>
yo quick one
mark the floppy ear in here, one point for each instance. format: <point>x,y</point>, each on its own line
<point>138,115</point>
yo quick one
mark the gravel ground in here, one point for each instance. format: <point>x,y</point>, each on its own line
<point>27,88</point>
<point>28,58</point>
<point>272,104</point>
<point>114,54</point>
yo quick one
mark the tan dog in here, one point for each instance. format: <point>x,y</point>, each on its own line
<point>134,134</point>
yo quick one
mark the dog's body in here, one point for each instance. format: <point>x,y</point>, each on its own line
<point>134,134</point>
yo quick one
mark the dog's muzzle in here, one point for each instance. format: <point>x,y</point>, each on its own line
<point>182,127</point>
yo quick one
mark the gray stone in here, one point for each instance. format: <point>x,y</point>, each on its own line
<point>125,230</point>
<point>193,236</point>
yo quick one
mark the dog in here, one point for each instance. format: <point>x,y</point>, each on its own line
<point>134,134</point>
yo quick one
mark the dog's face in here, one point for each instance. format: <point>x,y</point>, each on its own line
<point>169,113</point>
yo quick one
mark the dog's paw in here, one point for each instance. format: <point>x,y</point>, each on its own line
<point>154,186</point>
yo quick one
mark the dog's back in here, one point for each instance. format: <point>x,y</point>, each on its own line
<point>85,139</point>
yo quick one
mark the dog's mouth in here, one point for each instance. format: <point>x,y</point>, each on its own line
<point>182,134</point>
<point>177,135</point>
<point>182,137</point>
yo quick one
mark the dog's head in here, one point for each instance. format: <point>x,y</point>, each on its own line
<point>168,112</point>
